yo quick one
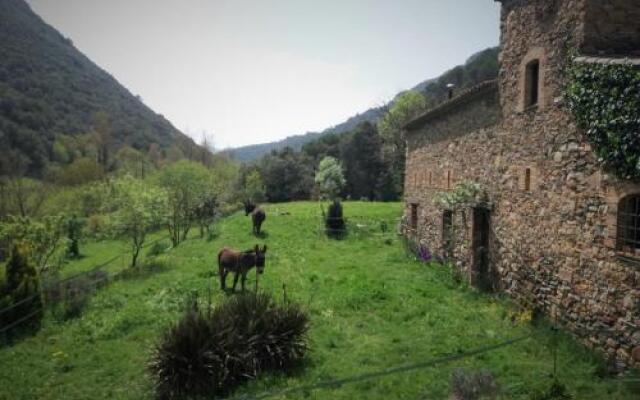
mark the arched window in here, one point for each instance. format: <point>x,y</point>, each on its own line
<point>532,84</point>
<point>628,237</point>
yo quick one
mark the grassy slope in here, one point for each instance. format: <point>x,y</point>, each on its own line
<point>371,308</point>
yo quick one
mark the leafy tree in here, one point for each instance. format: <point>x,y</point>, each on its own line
<point>254,187</point>
<point>20,289</point>
<point>287,175</point>
<point>42,237</point>
<point>362,159</point>
<point>330,177</point>
<point>405,107</point>
<point>187,184</point>
<point>140,208</point>
<point>80,171</point>
<point>74,231</point>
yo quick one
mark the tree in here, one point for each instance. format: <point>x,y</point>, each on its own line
<point>254,187</point>
<point>186,184</point>
<point>361,155</point>
<point>406,107</point>
<point>140,208</point>
<point>42,238</point>
<point>330,177</point>
<point>287,175</point>
<point>20,289</point>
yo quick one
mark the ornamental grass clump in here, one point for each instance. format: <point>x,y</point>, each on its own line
<point>211,352</point>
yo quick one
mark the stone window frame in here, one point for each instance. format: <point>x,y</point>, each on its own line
<point>413,216</point>
<point>628,225</point>
<point>536,54</point>
<point>614,196</point>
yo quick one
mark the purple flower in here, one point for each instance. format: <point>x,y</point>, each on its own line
<point>424,254</point>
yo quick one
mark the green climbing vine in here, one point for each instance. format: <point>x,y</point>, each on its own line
<point>463,194</point>
<point>605,100</point>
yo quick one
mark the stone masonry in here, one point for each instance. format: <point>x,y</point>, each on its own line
<point>553,209</point>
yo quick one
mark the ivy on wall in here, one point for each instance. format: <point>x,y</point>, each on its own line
<point>605,100</point>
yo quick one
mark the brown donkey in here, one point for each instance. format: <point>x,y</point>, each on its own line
<point>239,262</point>
<point>257,215</point>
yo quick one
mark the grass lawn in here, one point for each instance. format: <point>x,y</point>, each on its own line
<point>371,308</point>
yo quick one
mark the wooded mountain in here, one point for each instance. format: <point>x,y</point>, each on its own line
<point>48,88</point>
<point>479,67</point>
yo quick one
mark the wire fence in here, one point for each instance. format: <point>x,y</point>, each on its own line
<point>54,291</point>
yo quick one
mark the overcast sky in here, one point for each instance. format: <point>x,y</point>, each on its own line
<point>253,71</point>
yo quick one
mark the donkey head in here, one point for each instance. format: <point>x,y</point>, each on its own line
<point>260,256</point>
<point>249,206</point>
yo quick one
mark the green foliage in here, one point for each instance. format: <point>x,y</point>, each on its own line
<point>42,237</point>
<point>80,171</point>
<point>405,107</point>
<point>330,177</point>
<point>74,233</point>
<point>187,184</point>
<point>48,88</point>
<point>371,308</point>
<point>254,187</point>
<point>20,289</point>
<point>464,193</point>
<point>21,196</point>
<point>334,221</point>
<point>140,208</point>
<point>209,353</point>
<point>605,100</point>
<point>287,176</point>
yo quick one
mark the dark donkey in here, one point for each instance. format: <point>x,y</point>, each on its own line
<point>239,262</point>
<point>257,215</point>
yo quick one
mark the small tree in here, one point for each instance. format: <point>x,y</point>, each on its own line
<point>140,208</point>
<point>42,237</point>
<point>330,177</point>
<point>186,184</point>
<point>74,229</point>
<point>21,289</point>
<point>334,223</point>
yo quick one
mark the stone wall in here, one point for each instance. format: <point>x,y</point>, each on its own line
<point>552,239</point>
<point>612,27</point>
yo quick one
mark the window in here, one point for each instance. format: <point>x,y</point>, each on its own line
<point>448,179</point>
<point>628,238</point>
<point>527,179</point>
<point>532,84</point>
<point>430,179</point>
<point>447,233</point>
<point>414,217</point>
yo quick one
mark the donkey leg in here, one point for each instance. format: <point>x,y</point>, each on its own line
<point>223,278</point>
<point>235,280</point>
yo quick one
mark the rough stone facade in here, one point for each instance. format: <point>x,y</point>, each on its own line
<point>550,240</point>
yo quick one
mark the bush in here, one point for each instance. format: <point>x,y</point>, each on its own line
<point>158,248</point>
<point>211,352</point>
<point>21,291</point>
<point>334,223</point>
<point>473,385</point>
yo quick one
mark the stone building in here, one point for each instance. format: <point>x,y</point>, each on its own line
<point>551,228</point>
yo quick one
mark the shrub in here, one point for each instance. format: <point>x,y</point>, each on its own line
<point>158,248</point>
<point>210,352</point>
<point>334,223</point>
<point>473,385</point>
<point>20,290</point>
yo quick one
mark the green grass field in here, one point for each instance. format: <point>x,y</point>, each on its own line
<point>371,308</point>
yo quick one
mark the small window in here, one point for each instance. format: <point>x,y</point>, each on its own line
<point>430,179</point>
<point>414,217</point>
<point>448,179</point>
<point>628,238</point>
<point>527,179</point>
<point>532,84</point>
<point>447,233</point>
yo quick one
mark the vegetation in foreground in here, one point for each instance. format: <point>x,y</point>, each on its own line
<point>370,308</point>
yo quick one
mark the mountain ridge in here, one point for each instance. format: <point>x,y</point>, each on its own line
<point>485,61</point>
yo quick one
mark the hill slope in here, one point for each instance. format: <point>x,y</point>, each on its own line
<point>479,67</point>
<point>49,88</point>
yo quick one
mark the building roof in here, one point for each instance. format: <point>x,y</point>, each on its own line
<point>442,108</point>
<point>620,60</point>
